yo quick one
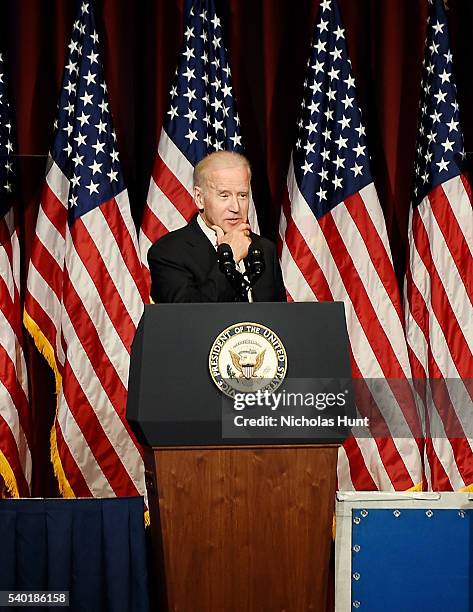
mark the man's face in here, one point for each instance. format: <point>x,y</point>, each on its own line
<point>225,197</point>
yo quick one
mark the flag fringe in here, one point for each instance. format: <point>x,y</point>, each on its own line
<point>43,345</point>
<point>8,476</point>
<point>65,488</point>
<point>45,348</point>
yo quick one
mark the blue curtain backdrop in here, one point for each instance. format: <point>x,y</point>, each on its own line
<point>95,549</point>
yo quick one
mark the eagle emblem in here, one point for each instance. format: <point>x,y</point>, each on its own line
<point>246,366</point>
<point>247,357</point>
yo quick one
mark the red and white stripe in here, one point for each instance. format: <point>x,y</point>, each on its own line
<point>170,202</point>
<point>439,326</point>
<point>86,292</point>
<point>345,256</point>
<point>14,407</point>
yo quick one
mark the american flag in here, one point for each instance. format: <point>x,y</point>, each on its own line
<point>335,247</point>
<point>85,290</point>
<point>202,118</point>
<point>15,455</point>
<point>439,278</point>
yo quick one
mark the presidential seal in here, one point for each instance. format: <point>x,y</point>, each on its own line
<point>247,357</point>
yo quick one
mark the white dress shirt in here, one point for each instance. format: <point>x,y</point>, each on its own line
<point>212,236</point>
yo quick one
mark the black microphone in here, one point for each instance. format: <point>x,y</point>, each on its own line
<point>227,266</point>
<point>254,263</point>
<point>225,260</point>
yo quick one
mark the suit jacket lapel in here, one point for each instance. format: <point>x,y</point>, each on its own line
<point>204,251</point>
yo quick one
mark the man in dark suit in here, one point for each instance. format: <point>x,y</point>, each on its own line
<point>184,264</point>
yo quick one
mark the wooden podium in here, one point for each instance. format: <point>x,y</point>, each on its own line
<point>242,521</point>
<point>242,529</point>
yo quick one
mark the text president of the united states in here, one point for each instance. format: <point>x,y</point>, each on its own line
<point>185,265</point>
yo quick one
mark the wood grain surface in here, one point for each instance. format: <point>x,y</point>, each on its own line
<point>242,529</point>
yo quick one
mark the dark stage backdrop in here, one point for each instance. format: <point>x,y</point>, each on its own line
<point>268,43</point>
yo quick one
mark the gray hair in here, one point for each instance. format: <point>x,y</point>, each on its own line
<point>222,159</point>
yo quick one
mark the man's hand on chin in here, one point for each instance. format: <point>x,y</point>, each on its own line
<point>238,238</point>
